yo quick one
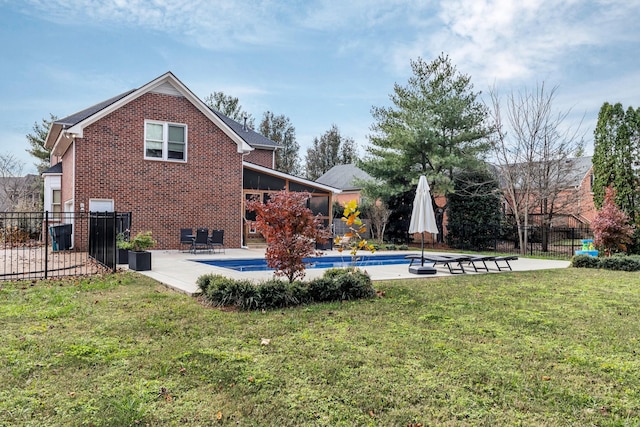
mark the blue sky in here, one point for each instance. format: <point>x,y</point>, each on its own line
<point>319,62</point>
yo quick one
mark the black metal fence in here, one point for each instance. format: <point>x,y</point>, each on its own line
<point>41,245</point>
<point>541,241</point>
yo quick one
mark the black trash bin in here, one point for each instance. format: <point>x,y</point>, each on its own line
<point>61,236</point>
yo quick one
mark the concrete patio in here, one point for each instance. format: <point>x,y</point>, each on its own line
<point>179,271</point>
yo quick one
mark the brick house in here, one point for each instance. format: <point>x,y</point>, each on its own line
<point>572,202</point>
<point>162,154</point>
<point>346,178</point>
<point>573,205</point>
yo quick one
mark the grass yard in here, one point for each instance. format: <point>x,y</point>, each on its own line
<point>544,348</point>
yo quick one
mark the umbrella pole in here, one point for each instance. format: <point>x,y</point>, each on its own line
<point>422,257</point>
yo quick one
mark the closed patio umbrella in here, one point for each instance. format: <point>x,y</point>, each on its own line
<point>423,219</point>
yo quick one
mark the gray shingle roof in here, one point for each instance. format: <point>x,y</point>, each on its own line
<point>344,177</point>
<point>571,171</point>
<point>577,169</point>
<point>250,136</point>
<point>57,168</point>
<point>88,112</point>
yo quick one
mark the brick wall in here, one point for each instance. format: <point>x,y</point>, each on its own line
<point>261,158</point>
<point>66,184</point>
<point>163,197</point>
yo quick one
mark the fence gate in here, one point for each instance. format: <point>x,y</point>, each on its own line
<point>102,238</point>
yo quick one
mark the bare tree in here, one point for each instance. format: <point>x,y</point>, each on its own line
<point>379,214</point>
<point>16,191</point>
<point>531,147</point>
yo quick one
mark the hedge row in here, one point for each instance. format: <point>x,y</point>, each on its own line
<point>335,285</point>
<point>622,263</point>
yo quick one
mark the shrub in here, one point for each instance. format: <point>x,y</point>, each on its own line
<point>335,285</point>
<point>276,293</point>
<point>323,289</point>
<point>391,247</point>
<point>403,247</point>
<point>621,263</point>
<point>585,261</point>
<point>244,295</point>
<point>354,285</point>
<point>139,243</point>
<point>341,284</point>
<point>223,291</point>
<point>333,273</point>
<point>205,280</point>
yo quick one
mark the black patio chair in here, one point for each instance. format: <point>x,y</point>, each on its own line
<point>186,237</point>
<point>217,240</point>
<point>202,240</point>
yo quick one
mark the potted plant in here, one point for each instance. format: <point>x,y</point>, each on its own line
<point>122,243</point>
<point>139,256</point>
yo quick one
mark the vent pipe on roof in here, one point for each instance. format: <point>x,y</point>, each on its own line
<point>244,126</point>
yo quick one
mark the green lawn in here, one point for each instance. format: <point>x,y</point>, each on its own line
<point>544,348</point>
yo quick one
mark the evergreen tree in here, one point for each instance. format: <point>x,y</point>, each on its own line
<point>474,211</point>
<point>37,140</point>
<point>230,107</point>
<point>616,157</point>
<point>279,129</point>
<point>435,126</point>
<point>327,151</point>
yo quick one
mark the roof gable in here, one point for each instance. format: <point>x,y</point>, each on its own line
<point>63,131</point>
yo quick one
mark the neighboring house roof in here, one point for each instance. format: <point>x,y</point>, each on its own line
<point>63,131</point>
<point>577,169</point>
<point>344,177</point>
<point>571,172</point>
<point>258,168</point>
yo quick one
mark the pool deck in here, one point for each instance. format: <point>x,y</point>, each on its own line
<point>178,271</point>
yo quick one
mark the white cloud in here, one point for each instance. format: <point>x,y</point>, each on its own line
<point>508,40</point>
<point>212,24</point>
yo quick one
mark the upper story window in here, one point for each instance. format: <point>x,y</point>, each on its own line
<point>165,141</point>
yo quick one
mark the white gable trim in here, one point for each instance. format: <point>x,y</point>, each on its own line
<point>161,85</point>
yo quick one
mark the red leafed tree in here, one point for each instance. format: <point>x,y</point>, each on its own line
<point>611,228</point>
<point>291,231</point>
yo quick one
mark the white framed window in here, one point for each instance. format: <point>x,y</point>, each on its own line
<point>165,141</point>
<point>56,203</point>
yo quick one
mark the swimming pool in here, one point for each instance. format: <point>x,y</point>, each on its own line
<point>260,264</point>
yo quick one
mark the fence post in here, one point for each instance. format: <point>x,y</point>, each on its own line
<point>114,242</point>
<point>46,244</point>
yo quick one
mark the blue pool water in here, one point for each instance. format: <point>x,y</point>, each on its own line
<point>260,264</point>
